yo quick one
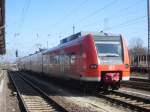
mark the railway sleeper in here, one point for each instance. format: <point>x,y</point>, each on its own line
<point>32,103</point>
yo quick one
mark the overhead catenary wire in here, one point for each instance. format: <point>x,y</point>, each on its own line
<point>117,16</point>
<point>127,25</point>
<point>98,10</point>
<point>132,5</point>
<point>126,22</point>
<point>23,15</point>
<point>72,11</point>
<point>22,20</point>
<point>127,8</point>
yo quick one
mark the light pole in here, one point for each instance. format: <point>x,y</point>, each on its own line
<point>47,40</point>
<point>38,44</point>
<point>16,35</point>
<point>148,18</point>
<point>47,44</point>
<point>73,29</point>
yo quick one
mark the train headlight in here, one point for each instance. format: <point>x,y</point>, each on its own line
<point>93,66</point>
<point>126,66</point>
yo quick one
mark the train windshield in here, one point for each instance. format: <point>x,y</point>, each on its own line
<point>109,52</point>
<point>110,49</point>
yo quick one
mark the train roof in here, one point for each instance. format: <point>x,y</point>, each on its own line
<point>74,37</point>
<point>77,36</point>
<point>101,33</point>
<point>81,34</point>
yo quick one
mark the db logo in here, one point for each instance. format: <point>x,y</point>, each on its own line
<point>111,67</point>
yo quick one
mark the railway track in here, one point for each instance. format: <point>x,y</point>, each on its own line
<point>32,98</point>
<point>140,79</point>
<point>137,85</point>
<point>126,100</point>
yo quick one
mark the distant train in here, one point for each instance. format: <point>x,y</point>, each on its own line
<point>95,57</point>
<point>139,63</point>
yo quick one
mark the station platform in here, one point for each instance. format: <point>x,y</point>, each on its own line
<point>2,93</point>
<point>141,79</point>
<point>8,100</point>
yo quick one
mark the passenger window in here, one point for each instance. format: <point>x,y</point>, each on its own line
<point>72,58</point>
<point>144,58</point>
<point>67,59</point>
<point>61,58</point>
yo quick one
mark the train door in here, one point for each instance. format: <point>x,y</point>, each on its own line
<point>61,60</point>
<point>42,62</point>
<point>46,63</point>
<point>73,64</point>
<point>81,61</point>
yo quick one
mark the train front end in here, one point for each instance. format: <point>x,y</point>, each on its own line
<point>113,59</point>
<point>109,60</point>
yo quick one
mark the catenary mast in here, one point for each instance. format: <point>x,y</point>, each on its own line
<point>148,17</point>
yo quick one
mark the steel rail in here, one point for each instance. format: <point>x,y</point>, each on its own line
<point>140,80</point>
<point>30,101</point>
<point>19,96</point>
<point>137,85</point>
<point>126,100</point>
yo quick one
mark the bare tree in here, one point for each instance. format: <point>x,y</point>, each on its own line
<point>136,47</point>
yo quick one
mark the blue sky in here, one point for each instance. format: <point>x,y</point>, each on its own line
<point>30,23</point>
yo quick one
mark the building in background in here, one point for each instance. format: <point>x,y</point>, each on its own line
<point>2,27</point>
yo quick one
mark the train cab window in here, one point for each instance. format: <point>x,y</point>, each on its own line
<point>110,50</point>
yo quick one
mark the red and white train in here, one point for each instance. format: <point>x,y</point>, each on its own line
<point>94,57</point>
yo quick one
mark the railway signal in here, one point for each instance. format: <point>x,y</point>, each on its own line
<point>16,53</point>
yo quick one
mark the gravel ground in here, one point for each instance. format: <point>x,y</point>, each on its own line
<point>80,102</point>
<point>10,96</point>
